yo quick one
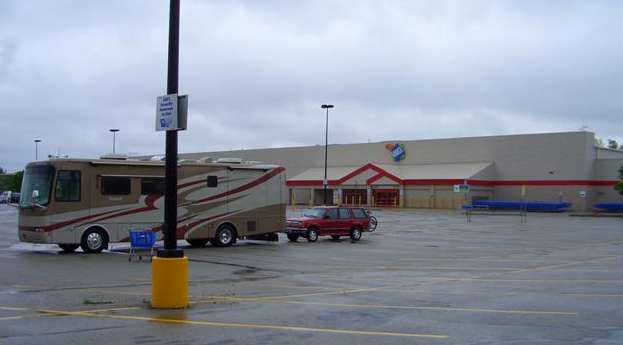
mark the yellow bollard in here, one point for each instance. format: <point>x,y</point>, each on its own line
<point>169,283</point>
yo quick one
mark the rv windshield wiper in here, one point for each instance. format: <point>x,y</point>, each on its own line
<point>31,205</point>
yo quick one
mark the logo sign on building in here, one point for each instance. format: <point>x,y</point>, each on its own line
<point>397,151</point>
<point>461,188</point>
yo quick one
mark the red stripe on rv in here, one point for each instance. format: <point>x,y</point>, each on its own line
<point>150,200</point>
<point>244,187</point>
<point>55,226</point>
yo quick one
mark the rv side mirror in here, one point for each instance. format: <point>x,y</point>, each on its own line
<point>212,181</point>
<point>35,196</point>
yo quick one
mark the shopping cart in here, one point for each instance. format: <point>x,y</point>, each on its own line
<point>142,239</point>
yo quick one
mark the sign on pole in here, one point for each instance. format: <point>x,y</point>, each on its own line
<point>171,112</point>
<point>166,113</point>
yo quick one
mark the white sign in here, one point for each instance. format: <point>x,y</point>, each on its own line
<point>461,188</point>
<point>166,113</point>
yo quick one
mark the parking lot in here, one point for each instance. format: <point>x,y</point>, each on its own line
<point>425,277</point>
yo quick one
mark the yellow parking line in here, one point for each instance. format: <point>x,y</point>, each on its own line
<point>129,293</point>
<point>446,268</point>
<point>13,308</point>
<point>616,281</point>
<point>335,292</point>
<point>591,294</point>
<point>11,318</point>
<point>243,325</point>
<point>383,306</point>
<point>555,266</point>
<point>109,309</point>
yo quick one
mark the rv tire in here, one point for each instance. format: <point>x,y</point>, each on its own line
<point>293,237</point>
<point>197,242</point>
<point>68,247</point>
<point>225,236</point>
<point>94,240</point>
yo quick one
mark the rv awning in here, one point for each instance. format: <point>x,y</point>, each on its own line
<point>369,174</point>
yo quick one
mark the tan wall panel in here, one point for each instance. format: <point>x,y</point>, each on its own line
<point>300,196</point>
<point>550,193</point>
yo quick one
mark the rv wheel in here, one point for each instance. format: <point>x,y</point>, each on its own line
<point>94,240</point>
<point>197,242</point>
<point>293,237</point>
<point>68,247</point>
<point>225,236</point>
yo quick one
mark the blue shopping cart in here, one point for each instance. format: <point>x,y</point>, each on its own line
<point>142,239</point>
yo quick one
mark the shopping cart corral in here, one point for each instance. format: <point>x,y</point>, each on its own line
<point>142,240</point>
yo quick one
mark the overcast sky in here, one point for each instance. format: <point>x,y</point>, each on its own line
<point>256,72</point>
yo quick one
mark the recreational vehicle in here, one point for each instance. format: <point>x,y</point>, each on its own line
<point>90,203</point>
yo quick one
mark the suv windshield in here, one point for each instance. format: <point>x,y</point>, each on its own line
<point>39,179</point>
<point>314,213</point>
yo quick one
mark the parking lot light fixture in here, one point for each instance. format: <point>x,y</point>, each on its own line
<point>325,182</point>
<point>114,132</point>
<point>37,141</point>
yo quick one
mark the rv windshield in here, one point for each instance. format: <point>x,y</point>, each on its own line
<point>36,186</point>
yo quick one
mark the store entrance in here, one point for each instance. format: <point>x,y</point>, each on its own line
<point>355,197</point>
<point>386,198</point>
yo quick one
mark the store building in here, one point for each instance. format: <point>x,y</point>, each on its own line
<point>563,167</point>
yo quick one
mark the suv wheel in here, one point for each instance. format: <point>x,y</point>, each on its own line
<point>355,234</point>
<point>312,235</point>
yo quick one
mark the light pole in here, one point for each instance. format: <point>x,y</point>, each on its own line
<point>114,132</point>
<point>325,182</point>
<point>170,267</point>
<point>37,141</point>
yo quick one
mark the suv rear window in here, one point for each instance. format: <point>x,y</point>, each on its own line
<point>359,213</point>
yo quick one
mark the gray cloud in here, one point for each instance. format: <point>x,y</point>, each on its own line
<point>256,72</point>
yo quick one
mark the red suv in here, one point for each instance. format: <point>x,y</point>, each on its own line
<point>331,221</point>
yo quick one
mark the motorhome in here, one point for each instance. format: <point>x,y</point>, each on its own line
<point>91,203</point>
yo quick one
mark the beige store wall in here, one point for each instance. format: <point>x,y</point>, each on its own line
<point>550,193</point>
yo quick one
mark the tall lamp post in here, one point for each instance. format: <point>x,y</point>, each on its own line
<point>37,141</point>
<point>325,182</point>
<point>114,132</point>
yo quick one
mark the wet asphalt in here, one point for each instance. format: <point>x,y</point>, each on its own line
<point>425,277</point>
